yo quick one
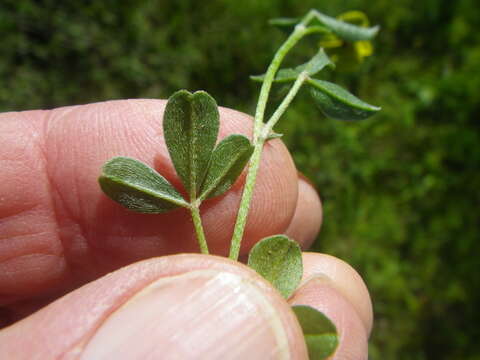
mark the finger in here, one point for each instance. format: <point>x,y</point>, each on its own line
<point>184,306</point>
<point>307,219</point>
<point>344,279</point>
<point>333,287</point>
<point>59,230</point>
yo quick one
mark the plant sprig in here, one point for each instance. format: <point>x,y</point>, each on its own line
<point>208,169</point>
<point>332,99</point>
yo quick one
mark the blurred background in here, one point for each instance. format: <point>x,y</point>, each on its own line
<point>401,190</point>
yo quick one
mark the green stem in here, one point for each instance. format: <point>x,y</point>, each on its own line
<point>309,17</point>
<point>255,164</point>
<point>259,136</point>
<point>284,104</point>
<point>294,37</point>
<point>197,223</point>
<point>299,32</point>
<point>246,198</point>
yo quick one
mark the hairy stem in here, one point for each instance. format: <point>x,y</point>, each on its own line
<point>284,104</point>
<point>197,223</point>
<point>259,135</point>
<point>299,32</point>
<point>245,202</point>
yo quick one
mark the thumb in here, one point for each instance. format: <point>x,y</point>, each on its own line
<point>182,307</point>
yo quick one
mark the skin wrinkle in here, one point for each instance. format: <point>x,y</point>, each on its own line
<point>45,263</point>
<point>29,233</point>
<point>19,244</point>
<point>53,191</point>
<point>20,235</point>
<point>85,233</point>
<point>16,214</point>
<point>31,254</point>
<point>72,232</point>
<point>26,142</point>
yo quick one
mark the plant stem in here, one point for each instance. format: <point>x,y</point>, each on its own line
<point>197,223</point>
<point>245,202</point>
<point>284,104</point>
<point>299,32</point>
<point>259,136</point>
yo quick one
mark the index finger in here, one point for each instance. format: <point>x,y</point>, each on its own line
<point>59,231</point>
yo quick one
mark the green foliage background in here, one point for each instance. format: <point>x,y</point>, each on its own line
<point>400,191</point>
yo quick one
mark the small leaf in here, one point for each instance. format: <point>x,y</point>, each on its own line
<point>138,187</point>
<point>284,21</point>
<point>337,103</point>
<point>226,164</point>
<point>274,135</point>
<point>313,66</point>
<point>279,260</point>
<point>345,30</point>
<point>320,333</point>
<point>190,126</point>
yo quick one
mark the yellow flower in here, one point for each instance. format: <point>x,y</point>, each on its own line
<point>361,49</point>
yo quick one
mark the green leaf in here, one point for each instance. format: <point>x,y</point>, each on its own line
<point>279,260</point>
<point>284,21</point>
<point>313,66</point>
<point>226,164</point>
<point>190,127</point>
<point>320,333</point>
<point>345,30</point>
<point>337,103</point>
<point>138,187</point>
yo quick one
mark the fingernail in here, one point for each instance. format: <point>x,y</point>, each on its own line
<point>198,315</point>
<point>315,279</point>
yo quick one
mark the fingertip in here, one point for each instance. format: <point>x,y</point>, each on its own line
<point>345,279</point>
<point>307,219</point>
<point>322,296</point>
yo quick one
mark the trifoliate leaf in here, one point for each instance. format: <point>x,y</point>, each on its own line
<point>226,164</point>
<point>337,103</point>
<point>313,66</point>
<point>279,260</point>
<point>320,333</point>
<point>190,126</point>
<point>345,30</point>
<point>138,187</point>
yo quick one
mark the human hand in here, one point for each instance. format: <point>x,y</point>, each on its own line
<point>59,232</point>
